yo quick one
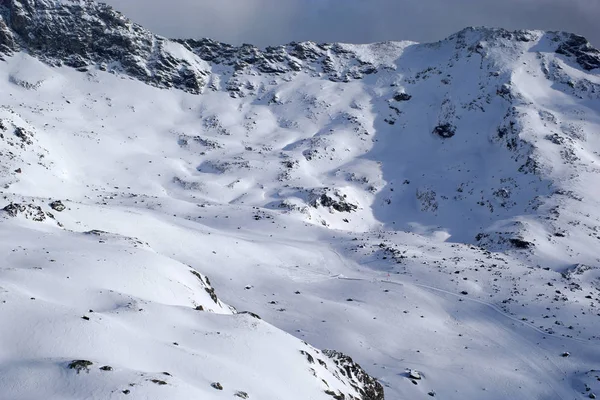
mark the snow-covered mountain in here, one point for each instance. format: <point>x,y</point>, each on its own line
<point>431,210</point>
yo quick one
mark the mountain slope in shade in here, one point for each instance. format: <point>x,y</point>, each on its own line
<point>424,208</point>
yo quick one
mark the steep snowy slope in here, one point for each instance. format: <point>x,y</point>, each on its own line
<point>423,208</point>
<point>99,315</point>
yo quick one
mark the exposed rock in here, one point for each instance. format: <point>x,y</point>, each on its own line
<point>577,46</point>
<point>207,287</point>
<point>332,59</point>
<point>22,134</point>
<point>80,365</point>
<point>520,243</point>
<point>414,374</point>
<point>575,270</point>
<point>58,206</point>
<point>402,97</point>
<point>7,42</point>
<point>29,211</point>
<point>446,130</point>
<point>87,34</point>
<point>337,205</point>
<point>367,386</point>
<point>250,313</point>
<point>309,358</point>
<point>335,201</point>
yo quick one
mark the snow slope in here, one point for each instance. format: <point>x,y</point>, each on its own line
<point>428,208</point>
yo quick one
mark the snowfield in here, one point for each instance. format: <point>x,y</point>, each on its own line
<point>187,219</point>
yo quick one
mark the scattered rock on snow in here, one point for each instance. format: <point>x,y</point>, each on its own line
<point>80,365</point>
<point>402,97</point>
<point>445,131</point>
<point>414,374</point>
<point>57,205</point>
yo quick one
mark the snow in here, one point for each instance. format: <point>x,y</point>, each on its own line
<point>159,183</point>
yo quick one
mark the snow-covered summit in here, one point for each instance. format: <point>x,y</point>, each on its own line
<point>83,34</point>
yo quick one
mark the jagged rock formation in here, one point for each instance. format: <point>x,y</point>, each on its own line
<point>336,61</point>
<point>84,34</point>
<point>364,384</point>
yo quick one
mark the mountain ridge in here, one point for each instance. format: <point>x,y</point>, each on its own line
<point>108,38</point>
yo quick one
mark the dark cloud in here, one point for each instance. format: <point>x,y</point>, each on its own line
<point>269,22</point>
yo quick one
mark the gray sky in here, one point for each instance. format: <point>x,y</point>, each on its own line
<point>272,22</point>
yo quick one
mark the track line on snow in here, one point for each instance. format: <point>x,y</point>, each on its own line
<point>489,305</point>
<point>497,325</point>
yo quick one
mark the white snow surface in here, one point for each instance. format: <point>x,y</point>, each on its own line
<point>421,276</point>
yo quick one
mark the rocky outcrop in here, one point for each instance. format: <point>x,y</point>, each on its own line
<point>476,40</point>
<point>338,62</point>
<point>7,43</point>
<point>334,200</point>
<point>445,130</point>
<point>58,206</point>
<point>365,385</point>
<point>83,34</point>
<point>29,211</point>
<point>578,47</point>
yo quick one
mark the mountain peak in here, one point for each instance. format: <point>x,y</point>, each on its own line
<point>84,34</point>
<point>565,43</point>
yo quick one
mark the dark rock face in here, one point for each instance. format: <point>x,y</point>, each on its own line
<point>24,136</point>
<point>207,287</point>
<point>331,59</point>
<point>86,34</point>
<point>57,205</point>
<point>402,97</point>
<point>6,38</point>
<point>445,130</point>
<point>30,211</point>
<point>250,313</point>
<point>578,46</point>
<point>567,44</point>
<point>80,365</point>
<point>520,243</point>
<point>337,205</point>
<point>367,386</point>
